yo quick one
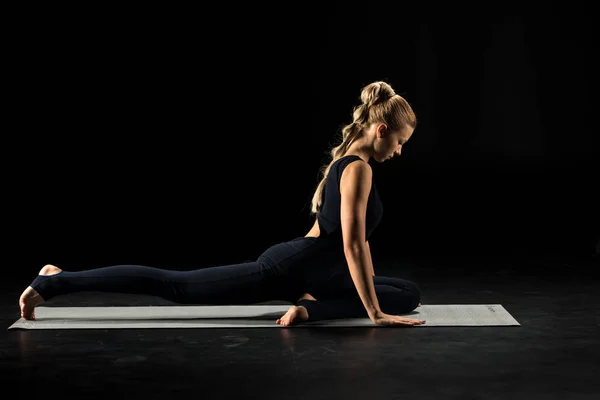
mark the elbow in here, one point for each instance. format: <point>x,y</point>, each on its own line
<point>354,249</point>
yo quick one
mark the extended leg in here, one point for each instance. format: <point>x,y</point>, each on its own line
<point>245,283</point>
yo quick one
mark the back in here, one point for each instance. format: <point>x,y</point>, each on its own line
<point>330,216</point>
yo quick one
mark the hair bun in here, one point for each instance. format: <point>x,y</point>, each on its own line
<point>376,92</point>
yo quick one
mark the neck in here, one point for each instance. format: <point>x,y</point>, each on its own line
<point>361,149</point>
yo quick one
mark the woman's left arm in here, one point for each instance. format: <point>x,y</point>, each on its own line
<point>369,251</point>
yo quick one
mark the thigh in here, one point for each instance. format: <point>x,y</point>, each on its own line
<point>342,284</point>
<point>395,295</point>
<point>347,304</point>
<point>280,259</point>
<point>399,283</point>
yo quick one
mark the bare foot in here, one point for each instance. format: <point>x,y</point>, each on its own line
<point>294,314</point>
<point>30,298</point>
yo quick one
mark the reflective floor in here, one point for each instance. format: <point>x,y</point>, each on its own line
<point>554,354</point>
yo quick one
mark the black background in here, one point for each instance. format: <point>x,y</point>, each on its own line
<point>187,138</point>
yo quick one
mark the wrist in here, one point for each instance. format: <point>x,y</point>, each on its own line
<point>373,312</point>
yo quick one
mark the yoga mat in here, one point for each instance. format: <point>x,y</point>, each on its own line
<point>244,316</point>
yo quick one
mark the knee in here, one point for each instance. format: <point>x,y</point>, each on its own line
<point>415,296</point>
<point>400,300</point>
<point>411,298</point>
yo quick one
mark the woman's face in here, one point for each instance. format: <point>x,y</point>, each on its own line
<point>389,143</point>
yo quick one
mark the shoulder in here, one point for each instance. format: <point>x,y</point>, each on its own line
<point>357,175</point>
<point>358,166</point>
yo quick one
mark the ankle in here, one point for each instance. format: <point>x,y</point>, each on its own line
<point>307,296</point>
<point>302,313</point>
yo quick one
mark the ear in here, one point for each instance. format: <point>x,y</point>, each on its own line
<point>381,130</point>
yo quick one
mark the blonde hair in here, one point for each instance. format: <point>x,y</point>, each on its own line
<point>380,104</point>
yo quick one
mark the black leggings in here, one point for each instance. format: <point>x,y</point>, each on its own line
<point>283,272</point>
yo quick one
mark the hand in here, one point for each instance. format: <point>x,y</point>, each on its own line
<point>382,319</point>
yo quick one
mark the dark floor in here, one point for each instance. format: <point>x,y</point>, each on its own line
<point>554,354</point>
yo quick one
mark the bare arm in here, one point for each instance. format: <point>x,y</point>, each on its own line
<point>355,186</point>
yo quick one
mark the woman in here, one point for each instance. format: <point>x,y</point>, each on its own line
<point>328,273</point>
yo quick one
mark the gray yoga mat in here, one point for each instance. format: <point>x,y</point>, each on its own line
<point>244,316</point>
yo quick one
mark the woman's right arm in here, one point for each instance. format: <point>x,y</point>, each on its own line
<point>355,186</point>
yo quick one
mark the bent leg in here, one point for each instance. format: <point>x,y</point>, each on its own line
<point>244,283</point>
<point>396,296</point>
